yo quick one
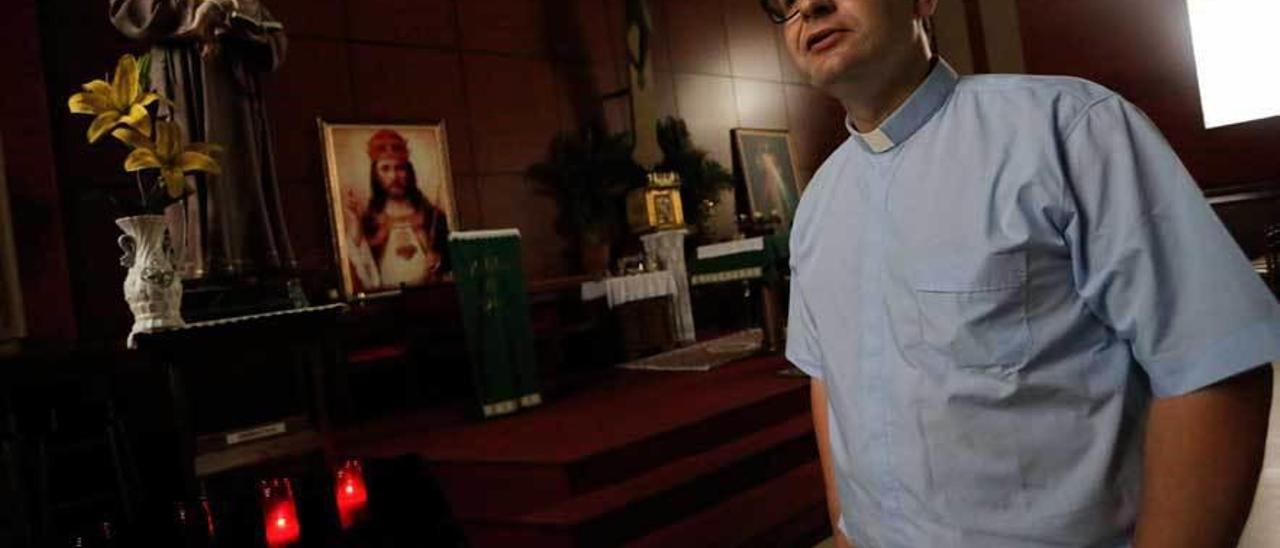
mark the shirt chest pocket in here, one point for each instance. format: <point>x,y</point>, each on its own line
<point>971,311</point>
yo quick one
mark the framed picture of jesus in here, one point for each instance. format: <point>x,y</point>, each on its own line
<point>391,204</point>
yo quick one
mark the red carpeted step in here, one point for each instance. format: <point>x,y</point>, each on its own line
<point>806,529</point>
<point>787,511</point>
<point>670,492</point>
<point>612,413</point>
<point>618,429</point>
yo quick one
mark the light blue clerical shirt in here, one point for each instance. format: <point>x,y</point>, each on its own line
<point>992,286</point>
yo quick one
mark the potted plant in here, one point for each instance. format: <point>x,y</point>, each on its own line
<point>160,158</point>
<point>590,172</point>
<point>702,180</point>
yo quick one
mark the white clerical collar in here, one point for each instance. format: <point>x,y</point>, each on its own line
<point>914,112</point>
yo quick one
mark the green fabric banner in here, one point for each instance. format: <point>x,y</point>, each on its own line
<point>495,315</point>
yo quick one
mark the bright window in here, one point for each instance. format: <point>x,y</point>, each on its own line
<point>1237,59</point>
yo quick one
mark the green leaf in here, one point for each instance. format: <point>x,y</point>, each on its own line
<point>144,72</point>
<point>589,172</point>
<point>701,178</point>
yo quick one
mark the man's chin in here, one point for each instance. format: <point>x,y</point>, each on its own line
<point>830,71</point>
<point>826,79</point>
<point>834,74</point>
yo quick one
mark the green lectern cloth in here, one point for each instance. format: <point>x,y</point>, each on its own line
<point>495,314</point>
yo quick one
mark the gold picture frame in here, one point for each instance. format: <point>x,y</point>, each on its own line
<point>655,207</point>
<point>391,204</point>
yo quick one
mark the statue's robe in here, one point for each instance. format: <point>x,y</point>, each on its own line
<point>237,224</point>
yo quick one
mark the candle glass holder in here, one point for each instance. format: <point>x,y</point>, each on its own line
<point>351,493</point>
<point>279,512</point>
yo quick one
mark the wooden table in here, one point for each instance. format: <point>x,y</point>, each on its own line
<point>246,390</point>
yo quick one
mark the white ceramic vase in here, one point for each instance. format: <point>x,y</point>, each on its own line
<point>152,287</point>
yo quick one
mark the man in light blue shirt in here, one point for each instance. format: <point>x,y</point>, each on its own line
<point>1024,325</point>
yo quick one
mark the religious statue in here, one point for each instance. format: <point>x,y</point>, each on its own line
<point>209,57</point>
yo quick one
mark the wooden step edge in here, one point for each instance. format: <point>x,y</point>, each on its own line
<point>735,386</point>
<point>378,353</point>
<point>643,455</point>
<point>725,464</point>
<point>726,424</point>
<point>788,510</point>
<point>751,516</point>
<point>545,485</point>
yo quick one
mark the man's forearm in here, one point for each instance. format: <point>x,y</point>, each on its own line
<point>818,404</point>
<point>1201,462</point>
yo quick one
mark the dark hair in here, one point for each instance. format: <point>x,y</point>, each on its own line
<point>378,197</point>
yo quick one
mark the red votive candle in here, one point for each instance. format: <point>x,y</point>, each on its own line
<point>279,513</point>
<point>351,493</point>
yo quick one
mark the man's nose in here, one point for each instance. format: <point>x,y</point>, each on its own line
<point>815,9</point>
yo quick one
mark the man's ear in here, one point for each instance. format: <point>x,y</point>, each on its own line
<point>926,8</point>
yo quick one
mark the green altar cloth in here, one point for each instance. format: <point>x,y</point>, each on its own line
<point>748,259</point>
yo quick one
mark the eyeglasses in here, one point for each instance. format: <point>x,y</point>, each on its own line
<point>780,11</point>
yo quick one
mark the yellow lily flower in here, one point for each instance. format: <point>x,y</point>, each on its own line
<point>170,153</point>
<point>120,102</point>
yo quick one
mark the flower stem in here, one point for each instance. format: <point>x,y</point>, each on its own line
<point>142,189</point>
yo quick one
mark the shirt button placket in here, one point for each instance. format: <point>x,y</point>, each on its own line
<point>876,310</point>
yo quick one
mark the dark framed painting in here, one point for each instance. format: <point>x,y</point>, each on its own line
<point>391,204</point>
<point>765,162</point>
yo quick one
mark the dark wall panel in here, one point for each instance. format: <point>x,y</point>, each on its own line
<point>413,85</point>
<point>698,41</point>
<point>314,83</point>
<point>325,18</point>
<point>752,40</point>
<point>513,110</point>
<point>1143,49</point>
<point>35,201</point>
<point>404,22</point>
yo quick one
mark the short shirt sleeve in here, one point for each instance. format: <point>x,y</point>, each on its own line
<point>802,337</point>
<point>1153,261</point>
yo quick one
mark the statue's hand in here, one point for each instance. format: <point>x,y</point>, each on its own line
<point>209,22</point>
<point>250,7</point>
